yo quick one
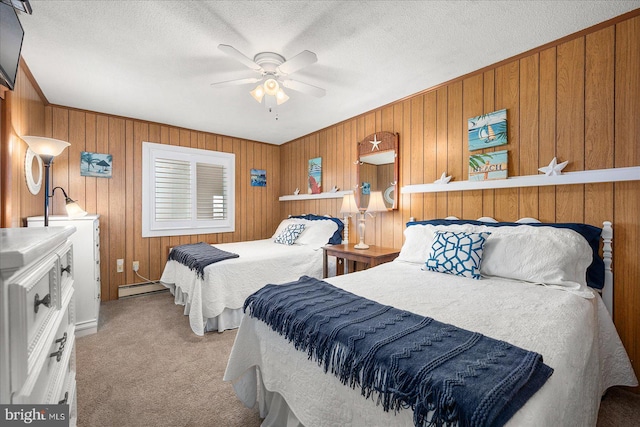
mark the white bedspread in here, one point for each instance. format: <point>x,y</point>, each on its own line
<point>226,284</point>
<point>575,336</point>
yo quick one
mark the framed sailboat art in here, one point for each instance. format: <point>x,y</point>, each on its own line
<point>488,130</point>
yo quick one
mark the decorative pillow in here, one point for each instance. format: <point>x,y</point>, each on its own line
<point>286,222</point>
<point>419,237</point>
<point>290,234</point>
<point>457,253</point>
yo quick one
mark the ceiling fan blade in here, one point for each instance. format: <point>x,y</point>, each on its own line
<point>304,88</point>
<point>299,61</point>
<point>238,56</point>
<point>236,82</point>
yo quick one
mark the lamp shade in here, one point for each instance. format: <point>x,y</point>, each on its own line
<point>258,93</point>
<point>271,87</point>
<point>73,209</point>
<point>376,202</point>
<point>281,97</point>
<point>46,148</point>
<point>349,204</point>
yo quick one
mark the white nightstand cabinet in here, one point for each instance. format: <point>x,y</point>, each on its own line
<point>37,317</point>
<point>86,254</point>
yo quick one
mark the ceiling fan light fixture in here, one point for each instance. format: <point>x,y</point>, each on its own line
<point>271,87</point>
<point>281,97</point>
<point>258,93</point>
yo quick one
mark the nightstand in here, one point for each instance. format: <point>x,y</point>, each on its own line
<point>373,256</point>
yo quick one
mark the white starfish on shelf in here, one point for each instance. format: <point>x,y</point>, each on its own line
<point>554,168</point>
<point>297,190</point>
<point>444,179</point>
<point>375,143</point>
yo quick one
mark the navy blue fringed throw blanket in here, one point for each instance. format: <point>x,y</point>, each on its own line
<point>447,375</point>
<point>197,256</point>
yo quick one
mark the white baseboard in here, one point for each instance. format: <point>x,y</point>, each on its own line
<point>140,288</point>
<point>86,328</point>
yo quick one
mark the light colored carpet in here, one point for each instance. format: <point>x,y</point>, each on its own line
<point>145,367</point>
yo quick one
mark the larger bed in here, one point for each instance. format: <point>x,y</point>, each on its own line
<point>563,320</point>
<point>214,300</point>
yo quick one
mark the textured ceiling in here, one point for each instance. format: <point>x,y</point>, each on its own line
<point>155,60</point>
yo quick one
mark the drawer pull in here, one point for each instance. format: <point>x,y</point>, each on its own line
<point>66,397</point>
<point>67,269</point>
<point>46,301</point>
<point>62,341</point>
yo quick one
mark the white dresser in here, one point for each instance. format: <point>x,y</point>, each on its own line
<point>86,253</point>
<point>37,317</point>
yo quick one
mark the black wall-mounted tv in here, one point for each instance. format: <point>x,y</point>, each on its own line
<point>11,35</point>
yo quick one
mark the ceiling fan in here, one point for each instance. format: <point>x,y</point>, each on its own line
<point>274,71</point>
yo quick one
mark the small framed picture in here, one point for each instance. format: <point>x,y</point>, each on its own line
<point>488,130</point>
<point>485,166</point>
<point>258,178</point>
<point>95,164</point>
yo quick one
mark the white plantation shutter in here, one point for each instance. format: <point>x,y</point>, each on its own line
<point>211,191</point>
<point>173,190</point>
<point>186,191</point>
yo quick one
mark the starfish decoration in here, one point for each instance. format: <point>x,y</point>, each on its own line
<point>444,179</point>
<point>554,168</point>
<point>297,191</point>
<point>375,143</point>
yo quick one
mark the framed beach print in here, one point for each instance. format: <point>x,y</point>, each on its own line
<point>258,178</point>
<point>488,130</point>
<point>315,176</point>
<point>485,166</point>
<point>95,164</point>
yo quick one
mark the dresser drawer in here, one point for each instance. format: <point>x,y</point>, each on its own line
<point>67,269</point>
<point>34,298</point>
<point>45,384</point>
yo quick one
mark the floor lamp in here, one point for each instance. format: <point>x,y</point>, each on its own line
<point>47,149</point>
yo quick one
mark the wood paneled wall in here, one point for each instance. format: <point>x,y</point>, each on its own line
<point>22,114</point>
<point>117,199</point>
<point>578,99</point>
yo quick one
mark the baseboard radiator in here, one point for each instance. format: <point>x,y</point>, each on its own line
<point>138,289</point>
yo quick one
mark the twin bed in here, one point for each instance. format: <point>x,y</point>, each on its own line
<point>214,300</point>
<point>536,292</point>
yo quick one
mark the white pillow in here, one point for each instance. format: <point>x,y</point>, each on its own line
<point>419,237</point>
<point>317,233</point>
<point>557,257</point>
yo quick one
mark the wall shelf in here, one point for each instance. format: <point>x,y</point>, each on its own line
<point>327,195</point>
<point>580,177</point>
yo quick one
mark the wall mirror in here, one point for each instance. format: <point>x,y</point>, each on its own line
<point>378,168</point>
<point>33,171</point>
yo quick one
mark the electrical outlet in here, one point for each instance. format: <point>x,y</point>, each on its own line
<point>120,265</point>
<point>136,265</point>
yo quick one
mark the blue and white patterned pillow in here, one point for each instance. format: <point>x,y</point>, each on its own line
<point>290,234</point>
<point>457,253</point>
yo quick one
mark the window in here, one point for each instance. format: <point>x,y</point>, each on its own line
<point>186,191</point>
